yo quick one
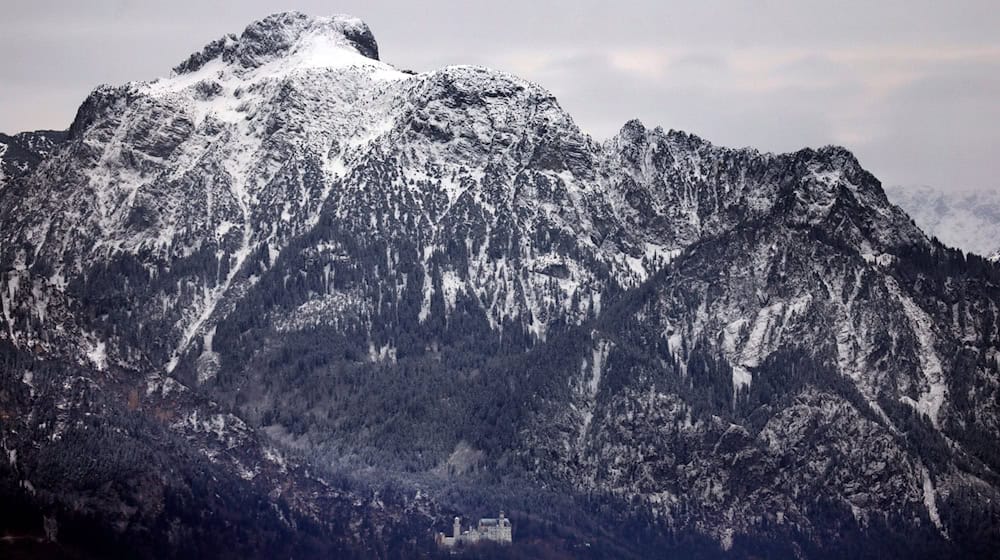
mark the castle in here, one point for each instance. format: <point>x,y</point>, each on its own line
<point>488,529</point>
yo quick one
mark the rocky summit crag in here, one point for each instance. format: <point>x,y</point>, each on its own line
<point>291,300</point>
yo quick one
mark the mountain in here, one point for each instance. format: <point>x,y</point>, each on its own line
<point>292,300</point>
<point>967,219</point>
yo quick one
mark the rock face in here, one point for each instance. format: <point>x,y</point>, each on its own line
<point>290,263</point>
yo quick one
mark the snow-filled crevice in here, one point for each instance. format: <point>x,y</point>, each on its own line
<point>935,388</point>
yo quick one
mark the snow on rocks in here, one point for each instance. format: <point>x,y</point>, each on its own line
<point>930,499</point>
<point>935,388</point>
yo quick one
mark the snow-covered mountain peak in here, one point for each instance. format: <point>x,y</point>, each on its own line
<point>297,38</point>
<point>464,82</point>
<point>476,113</point>
<point>233,77</point>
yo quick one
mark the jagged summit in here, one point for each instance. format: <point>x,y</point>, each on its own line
<point>319,38</point>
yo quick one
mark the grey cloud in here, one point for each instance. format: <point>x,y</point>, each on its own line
<point>817,67</point>
<point>700,60</point>
<point>943,128</point>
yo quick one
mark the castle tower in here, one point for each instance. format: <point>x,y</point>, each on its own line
<point>504,530</point>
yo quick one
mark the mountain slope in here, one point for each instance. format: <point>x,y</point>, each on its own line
<point>297,263</point>
<point>770,377</point>
<point>21,153</point>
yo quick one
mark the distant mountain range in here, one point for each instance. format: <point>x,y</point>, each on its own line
<point>967,219</point>
<point>291,301</point>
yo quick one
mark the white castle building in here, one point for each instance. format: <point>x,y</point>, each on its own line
<point>496,530</point>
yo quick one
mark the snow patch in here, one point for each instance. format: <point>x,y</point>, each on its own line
<point>223,228</point>
<point>97,354</point>
<point>386,353</point>
<point>741,380</point>
<point>209,361</point>
<point>675,343</point>
<point>599,357</point>
<point>731,336</point>
<point>425,305</point>
<point>726,538</point>
<point>227,429</point>
<point>882,259</point>
<point>756,346</point>
<point>933,396</point>
<point>331,309</point>
<point>165,385</point>
<point>275,456</point>
<point>590,383</point>
<point>930,500</point>
<point>451,286</point>
<point>27,378</point>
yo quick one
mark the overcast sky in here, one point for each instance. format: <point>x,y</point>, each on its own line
<point>912,87</point>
